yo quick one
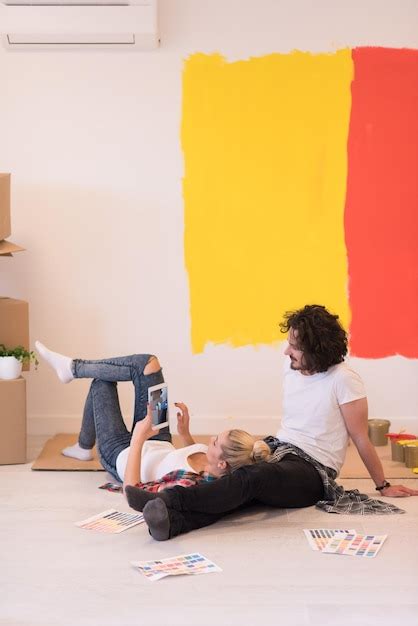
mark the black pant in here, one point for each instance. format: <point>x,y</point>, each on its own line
<point>291,483</point>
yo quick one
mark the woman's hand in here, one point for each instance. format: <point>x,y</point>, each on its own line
<point>143,429</point>
<point>183,419</point>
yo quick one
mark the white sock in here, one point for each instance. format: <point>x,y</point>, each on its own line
<point>75,452</point>
<point>60,363</point>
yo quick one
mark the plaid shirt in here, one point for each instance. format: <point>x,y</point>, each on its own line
<point>337,499</point>
<point>180,477</point>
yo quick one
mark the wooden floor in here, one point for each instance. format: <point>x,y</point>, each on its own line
<point>55,574</point>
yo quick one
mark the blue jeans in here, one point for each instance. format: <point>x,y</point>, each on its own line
<point>102,417</point>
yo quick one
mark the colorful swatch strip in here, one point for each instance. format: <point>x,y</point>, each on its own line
<point>300,186</point>
<point>353,544</point>
<point>345,542</point>
<point>319,538</point>
<point>184,564</point>
<point>111,521</point>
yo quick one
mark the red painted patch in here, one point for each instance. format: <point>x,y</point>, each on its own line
<point>381,217</point>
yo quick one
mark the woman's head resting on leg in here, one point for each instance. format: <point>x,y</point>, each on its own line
<point>232,449</point>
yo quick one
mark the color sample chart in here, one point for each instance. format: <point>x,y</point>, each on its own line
<point>111,521</point>
<point>184,564</point>
<point>353,544</point>
<point>319,538</point>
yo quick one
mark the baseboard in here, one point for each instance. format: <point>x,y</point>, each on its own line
<point>201,425</point>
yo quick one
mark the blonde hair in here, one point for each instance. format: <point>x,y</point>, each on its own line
<point>243,449</point>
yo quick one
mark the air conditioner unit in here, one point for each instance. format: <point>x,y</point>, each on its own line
<point>74,24</point>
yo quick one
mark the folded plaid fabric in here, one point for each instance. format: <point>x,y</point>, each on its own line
<point>180,477</point>
<point>337,499</point>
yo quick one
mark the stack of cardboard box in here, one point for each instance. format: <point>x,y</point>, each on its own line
<point>14,331</point>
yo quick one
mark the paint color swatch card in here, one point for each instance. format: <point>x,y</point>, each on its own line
<point>354,544</point>
<point>111,521</point>
<point>318,538</point>
<point>184,564</point>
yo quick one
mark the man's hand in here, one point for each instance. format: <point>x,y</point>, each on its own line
<point>183,419</point>
<point>355,417</point>
<point>143,429</point>
<point>398,491</point>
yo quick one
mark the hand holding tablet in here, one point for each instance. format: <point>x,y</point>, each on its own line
<point>158,402</point>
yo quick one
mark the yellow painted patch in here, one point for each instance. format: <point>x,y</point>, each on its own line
<point>265,147</point>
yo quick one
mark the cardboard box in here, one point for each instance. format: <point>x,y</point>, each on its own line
<point>14,324</point>
<point>5,224</point>
<point>7,247</point>
<point>12,421</point>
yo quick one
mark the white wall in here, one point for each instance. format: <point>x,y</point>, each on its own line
<point>92,141</point>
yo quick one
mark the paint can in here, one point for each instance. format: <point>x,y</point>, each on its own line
<point>378,429</point>
<point>400,449</point>
<point>397,442</point>
<point>411,454</point>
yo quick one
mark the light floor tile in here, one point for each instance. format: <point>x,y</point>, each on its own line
<point>54,573</point>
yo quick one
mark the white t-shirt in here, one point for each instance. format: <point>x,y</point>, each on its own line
<point>159,458</point>
<point>312,419</point>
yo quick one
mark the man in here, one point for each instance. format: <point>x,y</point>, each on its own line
<point>324,404</point>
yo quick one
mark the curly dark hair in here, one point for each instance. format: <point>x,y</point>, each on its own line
<point>319,335</point>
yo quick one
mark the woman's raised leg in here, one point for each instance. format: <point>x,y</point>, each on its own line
<point>82,450</point>
<point>143,370</point>
<point>112,436</point>
<point>102,424</point>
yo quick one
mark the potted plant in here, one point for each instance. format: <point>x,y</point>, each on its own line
<point>12,360</point>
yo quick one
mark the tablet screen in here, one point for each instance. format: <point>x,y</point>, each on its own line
<point>158,401</point>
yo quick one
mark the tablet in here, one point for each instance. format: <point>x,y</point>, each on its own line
<point>158,401</point>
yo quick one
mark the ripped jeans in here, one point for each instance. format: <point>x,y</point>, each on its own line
<point>102,418</point>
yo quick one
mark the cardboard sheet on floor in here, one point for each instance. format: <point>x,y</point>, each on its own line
<point>353,466</point>
<point>51,459</point>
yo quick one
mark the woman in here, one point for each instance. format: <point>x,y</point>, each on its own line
<point>142,457</point>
